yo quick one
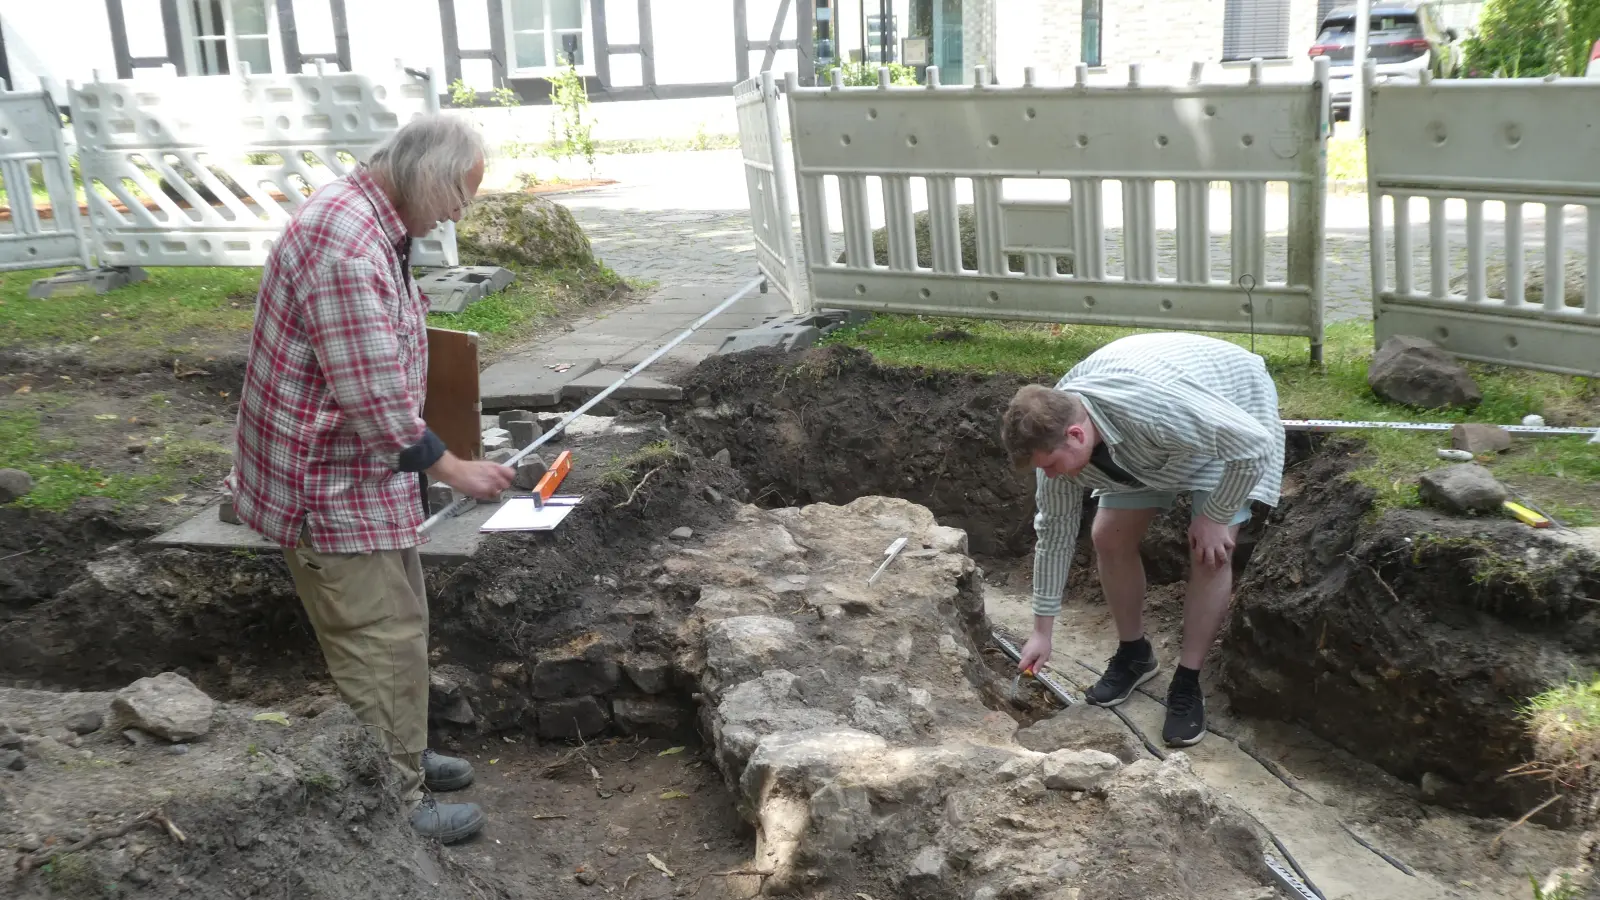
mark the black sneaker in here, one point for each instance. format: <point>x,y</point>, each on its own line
<point>1186,713</point>
<point>1129,668</point>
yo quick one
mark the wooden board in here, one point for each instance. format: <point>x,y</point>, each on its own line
<point>453,406</point>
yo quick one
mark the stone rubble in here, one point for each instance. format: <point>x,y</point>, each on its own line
<point>851,723</point>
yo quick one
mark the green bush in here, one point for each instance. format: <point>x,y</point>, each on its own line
<point>1532,38</point>
<point>858,74</point>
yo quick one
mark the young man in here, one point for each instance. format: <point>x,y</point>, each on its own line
<point>1141,420</point>
<point>330,438</point>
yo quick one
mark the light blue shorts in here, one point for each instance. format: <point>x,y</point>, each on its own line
<point>1151,499</point>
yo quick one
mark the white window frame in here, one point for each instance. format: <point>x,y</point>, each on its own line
<point>551,67</point>
<point>192,37</point>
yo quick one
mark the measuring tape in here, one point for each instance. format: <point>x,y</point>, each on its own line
<point>1327,425</point>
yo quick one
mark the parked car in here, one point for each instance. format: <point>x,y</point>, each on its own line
<point>1405,40</point>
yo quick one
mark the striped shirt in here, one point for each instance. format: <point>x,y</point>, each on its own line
<point>1179,412</point>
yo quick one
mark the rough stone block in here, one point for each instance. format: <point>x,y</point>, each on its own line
<point>14,483</point>
<point>501,456</point>
<point>524,433</point>
<point>648,672</point>
<point>572,719</point>
<point>1416,372</point>
<point>506,417</point>
<point>1477,438</point>
<point>1078,770</point>
<point>585,666</point>
<point>228,513</point>
<point>1461,489</point>
<point>1082,727</point>
<point>650,716</point>
<point>439,496</point>
<point>166,705</point>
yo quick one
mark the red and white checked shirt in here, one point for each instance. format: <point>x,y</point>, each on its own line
<point>335,380</point>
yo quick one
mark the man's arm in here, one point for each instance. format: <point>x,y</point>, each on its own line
<point>350,324</point>
<point>1056,524</point>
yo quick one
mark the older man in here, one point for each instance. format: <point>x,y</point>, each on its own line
<point>1139,421</point>
<point>331,443</point>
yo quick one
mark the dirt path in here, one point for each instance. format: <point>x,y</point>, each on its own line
<point>1448,851</point>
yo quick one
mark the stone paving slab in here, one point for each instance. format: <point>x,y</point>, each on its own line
<point>451,541</point>
<point>639,387</point>
<point>517,383</point>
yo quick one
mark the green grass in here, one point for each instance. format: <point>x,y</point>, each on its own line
<point>1341,392</point>
<point>56,482</point>
<point>514,313</point>
<point>174,305</point>
<point>1347,160</point>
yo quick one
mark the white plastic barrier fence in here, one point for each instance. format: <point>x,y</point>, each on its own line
<point>1047,259</point>
<point>1502,148</point>
<point>766,171</point>
<point>206,171</point>
<point>33,155</point>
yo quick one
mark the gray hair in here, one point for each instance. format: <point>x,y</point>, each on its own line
<point>426,162</point>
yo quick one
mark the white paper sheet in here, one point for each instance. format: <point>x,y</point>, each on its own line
<point>520,514</point>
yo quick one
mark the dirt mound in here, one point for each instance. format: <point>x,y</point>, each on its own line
<point>264,810</point>
<point>44,552</point>
<point>1411,642</point>
<point>829,425</point>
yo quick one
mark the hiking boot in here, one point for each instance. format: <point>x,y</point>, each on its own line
<point>445,773</point>
<point>1186,712</point>
<point>1133,665</point>
<point>447,822</point>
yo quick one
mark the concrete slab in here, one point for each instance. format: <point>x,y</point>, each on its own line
<point>529,382</point>
<point>640,387</point>
<point>451,541</point>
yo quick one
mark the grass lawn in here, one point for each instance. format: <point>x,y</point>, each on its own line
<point>67,423</point>
<point>1535,465</point>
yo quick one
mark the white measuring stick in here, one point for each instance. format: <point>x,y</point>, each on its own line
<point>1325,425</point>
<point>893,551</point>
<point>456,507</point>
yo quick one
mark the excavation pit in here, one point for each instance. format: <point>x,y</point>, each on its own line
<point>753,643</point>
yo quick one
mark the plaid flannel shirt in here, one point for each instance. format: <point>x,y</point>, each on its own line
<point>330,426</point>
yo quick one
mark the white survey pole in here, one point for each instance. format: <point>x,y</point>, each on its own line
<point>1358,66</point>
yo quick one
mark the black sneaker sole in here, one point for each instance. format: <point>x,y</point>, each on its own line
<point>1118,701</point>
<point>1188,743</point>
<point>449,784</point>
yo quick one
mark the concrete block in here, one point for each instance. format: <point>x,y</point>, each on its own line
<point>439,496</point>
<point>639,387</point>
<point>518,383</point>
<point>503,442</point>
<point>516,415</point>
<point>227,513</point>
<point>501,456</point>
<point>84,281</point>
<point>530,469</point>
<point>524,433</point>
<point>454,289</point>
<point>789,332</point>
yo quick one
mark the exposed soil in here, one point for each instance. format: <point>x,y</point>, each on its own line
<point>542,641</point>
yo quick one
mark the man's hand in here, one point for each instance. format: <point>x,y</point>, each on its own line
<point>1036,652</point>
<point>478,478</point>
<point>1210,542</point>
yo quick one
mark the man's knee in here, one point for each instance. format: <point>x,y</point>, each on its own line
<point>1118,532</point>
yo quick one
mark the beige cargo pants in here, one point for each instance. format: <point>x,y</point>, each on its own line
<point>370,612</point>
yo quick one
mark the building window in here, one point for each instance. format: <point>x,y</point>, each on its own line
<point>1255,28</point>
<point>217,33</point>
<point>1091,32</point>
<point>544,35</point>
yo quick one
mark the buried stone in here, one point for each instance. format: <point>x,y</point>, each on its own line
<point>572,719</point>
<point>585,666</point>
<point>166,705</point>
